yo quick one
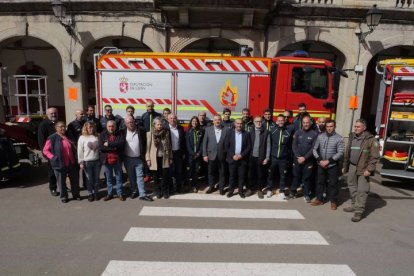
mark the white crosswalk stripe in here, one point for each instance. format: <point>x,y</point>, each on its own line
<point>269,237</point>
<point>220,213</point>
<point>223,269</point>
<point>222,237</point>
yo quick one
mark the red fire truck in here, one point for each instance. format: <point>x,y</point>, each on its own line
<point>190,83</point>
<point>395,117</point>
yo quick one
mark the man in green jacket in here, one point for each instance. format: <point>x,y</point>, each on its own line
<point>360,160</point>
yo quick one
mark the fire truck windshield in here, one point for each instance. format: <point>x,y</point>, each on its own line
<point>313,82</point>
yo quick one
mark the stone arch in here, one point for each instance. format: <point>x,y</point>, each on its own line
<point>212,45</point>
<point>316,49</point>
<point>374,48</point>
<point>35,32</point>
<point>32,55</point>
<point>372,80</point>
<point>124,43</point>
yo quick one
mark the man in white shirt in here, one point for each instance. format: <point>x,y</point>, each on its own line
<point>133,154</point>
<point>178,150</point>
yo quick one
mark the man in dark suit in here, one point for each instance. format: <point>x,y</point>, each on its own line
<point>213,153</point>
<point>178,147</point>
<point>237,146</point>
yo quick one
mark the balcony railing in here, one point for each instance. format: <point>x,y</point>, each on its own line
<point>406,4</point>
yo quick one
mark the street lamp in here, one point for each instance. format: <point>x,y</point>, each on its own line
<point>59,10</point>
<point>373,18</point>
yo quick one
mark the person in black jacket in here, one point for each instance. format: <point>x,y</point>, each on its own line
<point>247,120</point>
<point>75,127</point>
<point>194,140</point>
<point>227,122</point>
<point>303,161</point>
<point>281,156</point>
<point>111,146</point>
<point>74,131</point>
<point>178,147</point>
<point>149,116</point>
<point>267,122</point>
<point>109,116</point>
<point>259,157</point>
<point>90,117</point>
<point>237,147</point>
<point>47,128</point>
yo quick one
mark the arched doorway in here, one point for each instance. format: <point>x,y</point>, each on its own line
<point>124,43</point>
<point>213,45</point>
<point>372,81</point>
<point>33,56</point>
<point>316,49</point>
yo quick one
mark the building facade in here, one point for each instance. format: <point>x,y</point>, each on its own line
<point>34,41</point>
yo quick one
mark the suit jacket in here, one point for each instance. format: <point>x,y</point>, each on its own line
<point>230,146</point>
<point>211,148</point>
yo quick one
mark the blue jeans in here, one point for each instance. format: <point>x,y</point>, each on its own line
<point>92,169</point>
<point>109,170</point>
<point>135,171</point>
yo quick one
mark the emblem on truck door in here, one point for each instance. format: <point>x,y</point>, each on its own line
<point>123,85</point>
<point>229,95</point>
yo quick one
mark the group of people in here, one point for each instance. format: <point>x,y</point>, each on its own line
<point>249,153</point>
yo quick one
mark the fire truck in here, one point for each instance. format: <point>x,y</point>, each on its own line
<point>189,83</point>
<point>395,117</point>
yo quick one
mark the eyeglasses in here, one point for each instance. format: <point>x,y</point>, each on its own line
<point>258,121</point>
<point>108,110</point>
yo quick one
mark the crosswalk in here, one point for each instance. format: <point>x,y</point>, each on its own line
<point>221,237</point>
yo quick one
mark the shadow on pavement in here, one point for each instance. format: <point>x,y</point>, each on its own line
<point>28,176</point>
<point>374,202</point>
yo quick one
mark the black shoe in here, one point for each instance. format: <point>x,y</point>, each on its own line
<point>54,193</point>
<point>78,198</point>
<point>96,197</point>
<point>210,190</point>
<point>222,192</point>
<point>145,198</point>
<point>134,195</point>
<point>65,200</point>
<point>230,194</point>
<point>292,195</point>
<point>108,197</point>
<point>159,196</point>
<point>91,198</point>
<point>166,196</point>
<point>242,195</point>
<point>248,193</point>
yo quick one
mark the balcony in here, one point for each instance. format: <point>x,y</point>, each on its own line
<point>404,4</point>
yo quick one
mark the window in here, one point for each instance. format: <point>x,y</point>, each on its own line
<point>313,82</point>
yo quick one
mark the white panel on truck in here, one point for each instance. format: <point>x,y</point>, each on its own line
<point>121,89</point>
<point>211,92</point>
